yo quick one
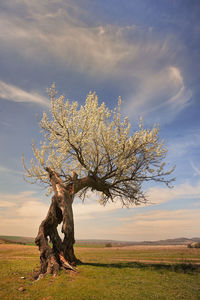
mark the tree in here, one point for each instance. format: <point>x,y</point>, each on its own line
<point>89,148</point>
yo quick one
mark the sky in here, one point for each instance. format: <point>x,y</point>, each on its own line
<point>147,52</point>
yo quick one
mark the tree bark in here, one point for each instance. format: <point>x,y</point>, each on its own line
<point>56,253</point>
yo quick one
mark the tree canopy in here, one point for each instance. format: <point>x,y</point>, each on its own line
<point>93,147</point>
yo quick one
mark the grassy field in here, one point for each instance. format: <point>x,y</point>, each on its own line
<point>136,272</point>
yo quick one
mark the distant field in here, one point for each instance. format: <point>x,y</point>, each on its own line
<point>95,243</point>
<point>132,272</point>
<point>16,239</point>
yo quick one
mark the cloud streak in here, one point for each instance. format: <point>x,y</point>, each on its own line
<point>195,168</point>
<point>134,56</point>
<point>161,91</point>
<point>22,213</point>
<point>157,195</point>
<point>92,209</point>
<point>179,146</point>
<point>10,171</point>
<point>13,93</point>
<point>161,224</point>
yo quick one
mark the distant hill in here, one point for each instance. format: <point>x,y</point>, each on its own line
<point>177,241</point>
<point>30,240</point>
<point>4,239</point>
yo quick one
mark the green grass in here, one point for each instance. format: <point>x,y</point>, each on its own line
<point>105,274</point>
<point>144,253</point>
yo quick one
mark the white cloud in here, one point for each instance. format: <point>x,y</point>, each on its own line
<point>18,198</point>
<point>32,209</point>
<point>11,171</point>
<point>144,66</point>
<point>62,36</point>
<point>161,224</point>
<point>158,195</point>
<point>91,208</point>
<point>21,214</point>
<point>136,224</point>
<point>6,204</point>
<point>182,145</point>
<point>162,91</point>
<point>16,94</point>
<point>195,168</point>
<point>26,208</point>
<point>143,225</point>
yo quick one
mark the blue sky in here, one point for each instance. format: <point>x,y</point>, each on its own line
<point>148,53</point>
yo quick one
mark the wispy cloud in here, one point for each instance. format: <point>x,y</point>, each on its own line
<point>91,208</point>
<point>16,94</point>
<point>21,213</point>
<point>10,171</point>
<point>161,224</point>
<point>195,168</point>
<point>144,66</point>
<point>19,198</point>
<point>69,41</point>
<point>157,195</point>
<point>6,204</point>
<point>160,91</point>
<point>179,146</point>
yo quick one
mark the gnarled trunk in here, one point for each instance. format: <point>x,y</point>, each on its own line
<point>55,252</point>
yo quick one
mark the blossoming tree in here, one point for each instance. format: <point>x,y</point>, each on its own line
<point>89,148</point>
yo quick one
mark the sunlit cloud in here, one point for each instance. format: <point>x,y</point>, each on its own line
<point>144,225</point>
<point>123,53</point>
<point>19,197</point>
<point>163,92</point>
<point>21,213</point>
<point>185,190</point>
<point>16,94</point>
<point>161,224</point>
<point>6,204</point>
<point>93,210</point>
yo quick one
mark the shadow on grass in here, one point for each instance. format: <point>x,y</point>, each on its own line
<point>181,267</point>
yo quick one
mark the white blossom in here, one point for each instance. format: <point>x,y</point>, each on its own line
<point>92,139</point>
